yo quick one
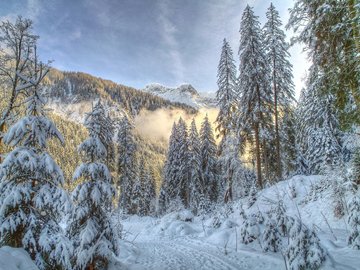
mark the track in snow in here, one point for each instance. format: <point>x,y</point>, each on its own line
<point>186,253</point>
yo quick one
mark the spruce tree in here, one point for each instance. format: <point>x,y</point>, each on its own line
<point>182,177</point>
<point>196,189</point>
<point>318,126</point>
<point>289,151</point>
<point>126,148</point>
<point>354,221</point>
<point>271,237</point>
<point>334,51</point>
<point>104,126</point>
<point>277,54</point>
<point>32,199</point>
<point>226,94</point>
<point>168,184</point>
<point>255,93</point>
<point>304,250</point>
<point>149,192</point>
<point>208,161</point>
<point>91,229</point>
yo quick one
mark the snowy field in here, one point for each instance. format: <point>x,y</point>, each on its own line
<point>171,242</point>
<point>180,241</point>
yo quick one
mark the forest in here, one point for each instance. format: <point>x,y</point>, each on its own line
<point>274,178</point>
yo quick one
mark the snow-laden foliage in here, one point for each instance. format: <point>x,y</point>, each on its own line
<point>304,250</point>
<point>354,221</point>
<point>126,162</point>
<point>101,127</point>
<point>226,94</point>
<point>235,179</point>
<point>255,93</point>
<point>196,189</point>
<point>277,55</point>
<point>250,230</point>
<point>176,176</point>
<point>209,161</point>
<point>330,32</point>
<point>271,240</point>
<point>91,229</point>
<point>32,201</point>
<point>319,135</point>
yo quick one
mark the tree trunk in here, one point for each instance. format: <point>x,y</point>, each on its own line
<point>266,160</point>
<point>258,155</point>
<point>277,136</point>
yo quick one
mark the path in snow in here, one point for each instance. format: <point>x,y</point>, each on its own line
<point>188,253</point>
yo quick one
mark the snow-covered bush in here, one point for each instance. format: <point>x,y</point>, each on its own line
<point>304,250</point>
<point>252,196</point>
<point>32,199</point>
<point>271,240</point>
<point>281,219</point>
<point>250,230</point>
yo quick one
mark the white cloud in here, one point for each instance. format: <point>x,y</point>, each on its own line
<point>168,33</point>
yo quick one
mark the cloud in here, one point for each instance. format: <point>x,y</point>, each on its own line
<point>168,33</point>
<point>33,9</point>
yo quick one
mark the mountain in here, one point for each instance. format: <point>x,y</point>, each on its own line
<point>72,93</point>
<point>185,94</point>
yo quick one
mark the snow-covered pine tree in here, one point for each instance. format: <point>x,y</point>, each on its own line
<point>32,199</point>
<point>208,161</point>
<point>281,218</point>
<point>255,92</point>
<point>356,166</point>
<point>252,196</point>
<point>250,230</point>
<point>304,250</point>
<point>167,190</point>
<point>335,51</point>
<point>196,193</point>
<point>182,176</point>
<point>289,149</point>
<point>137,195</point>
<point>149,192</point>
<point>126,148</point>
<point>104,126</point>
<point>318,127</point>
<point>231,167</point>
<point>226,94</point>
<point>95,239</point>
<point>354,221</point>
<point>277,55</point>
<point>271,240</point>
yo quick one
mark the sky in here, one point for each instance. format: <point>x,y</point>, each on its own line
<point>137,42</point>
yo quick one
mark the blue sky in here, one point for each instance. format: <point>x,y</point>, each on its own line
<point>137,42</point>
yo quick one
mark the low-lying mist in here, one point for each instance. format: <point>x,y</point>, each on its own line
<point>157,125</point>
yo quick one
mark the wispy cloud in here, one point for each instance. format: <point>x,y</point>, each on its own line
<point>168,33</point>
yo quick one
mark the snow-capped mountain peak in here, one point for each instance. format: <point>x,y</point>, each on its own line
<point>184,93</point>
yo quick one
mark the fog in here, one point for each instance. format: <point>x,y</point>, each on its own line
<point>157,125</point>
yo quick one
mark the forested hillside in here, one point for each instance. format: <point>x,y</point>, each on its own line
<point>77,87</point>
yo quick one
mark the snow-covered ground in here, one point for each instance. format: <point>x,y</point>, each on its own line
<point>174,242</point>
<point>179,240</point>
<point>15,259</point>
